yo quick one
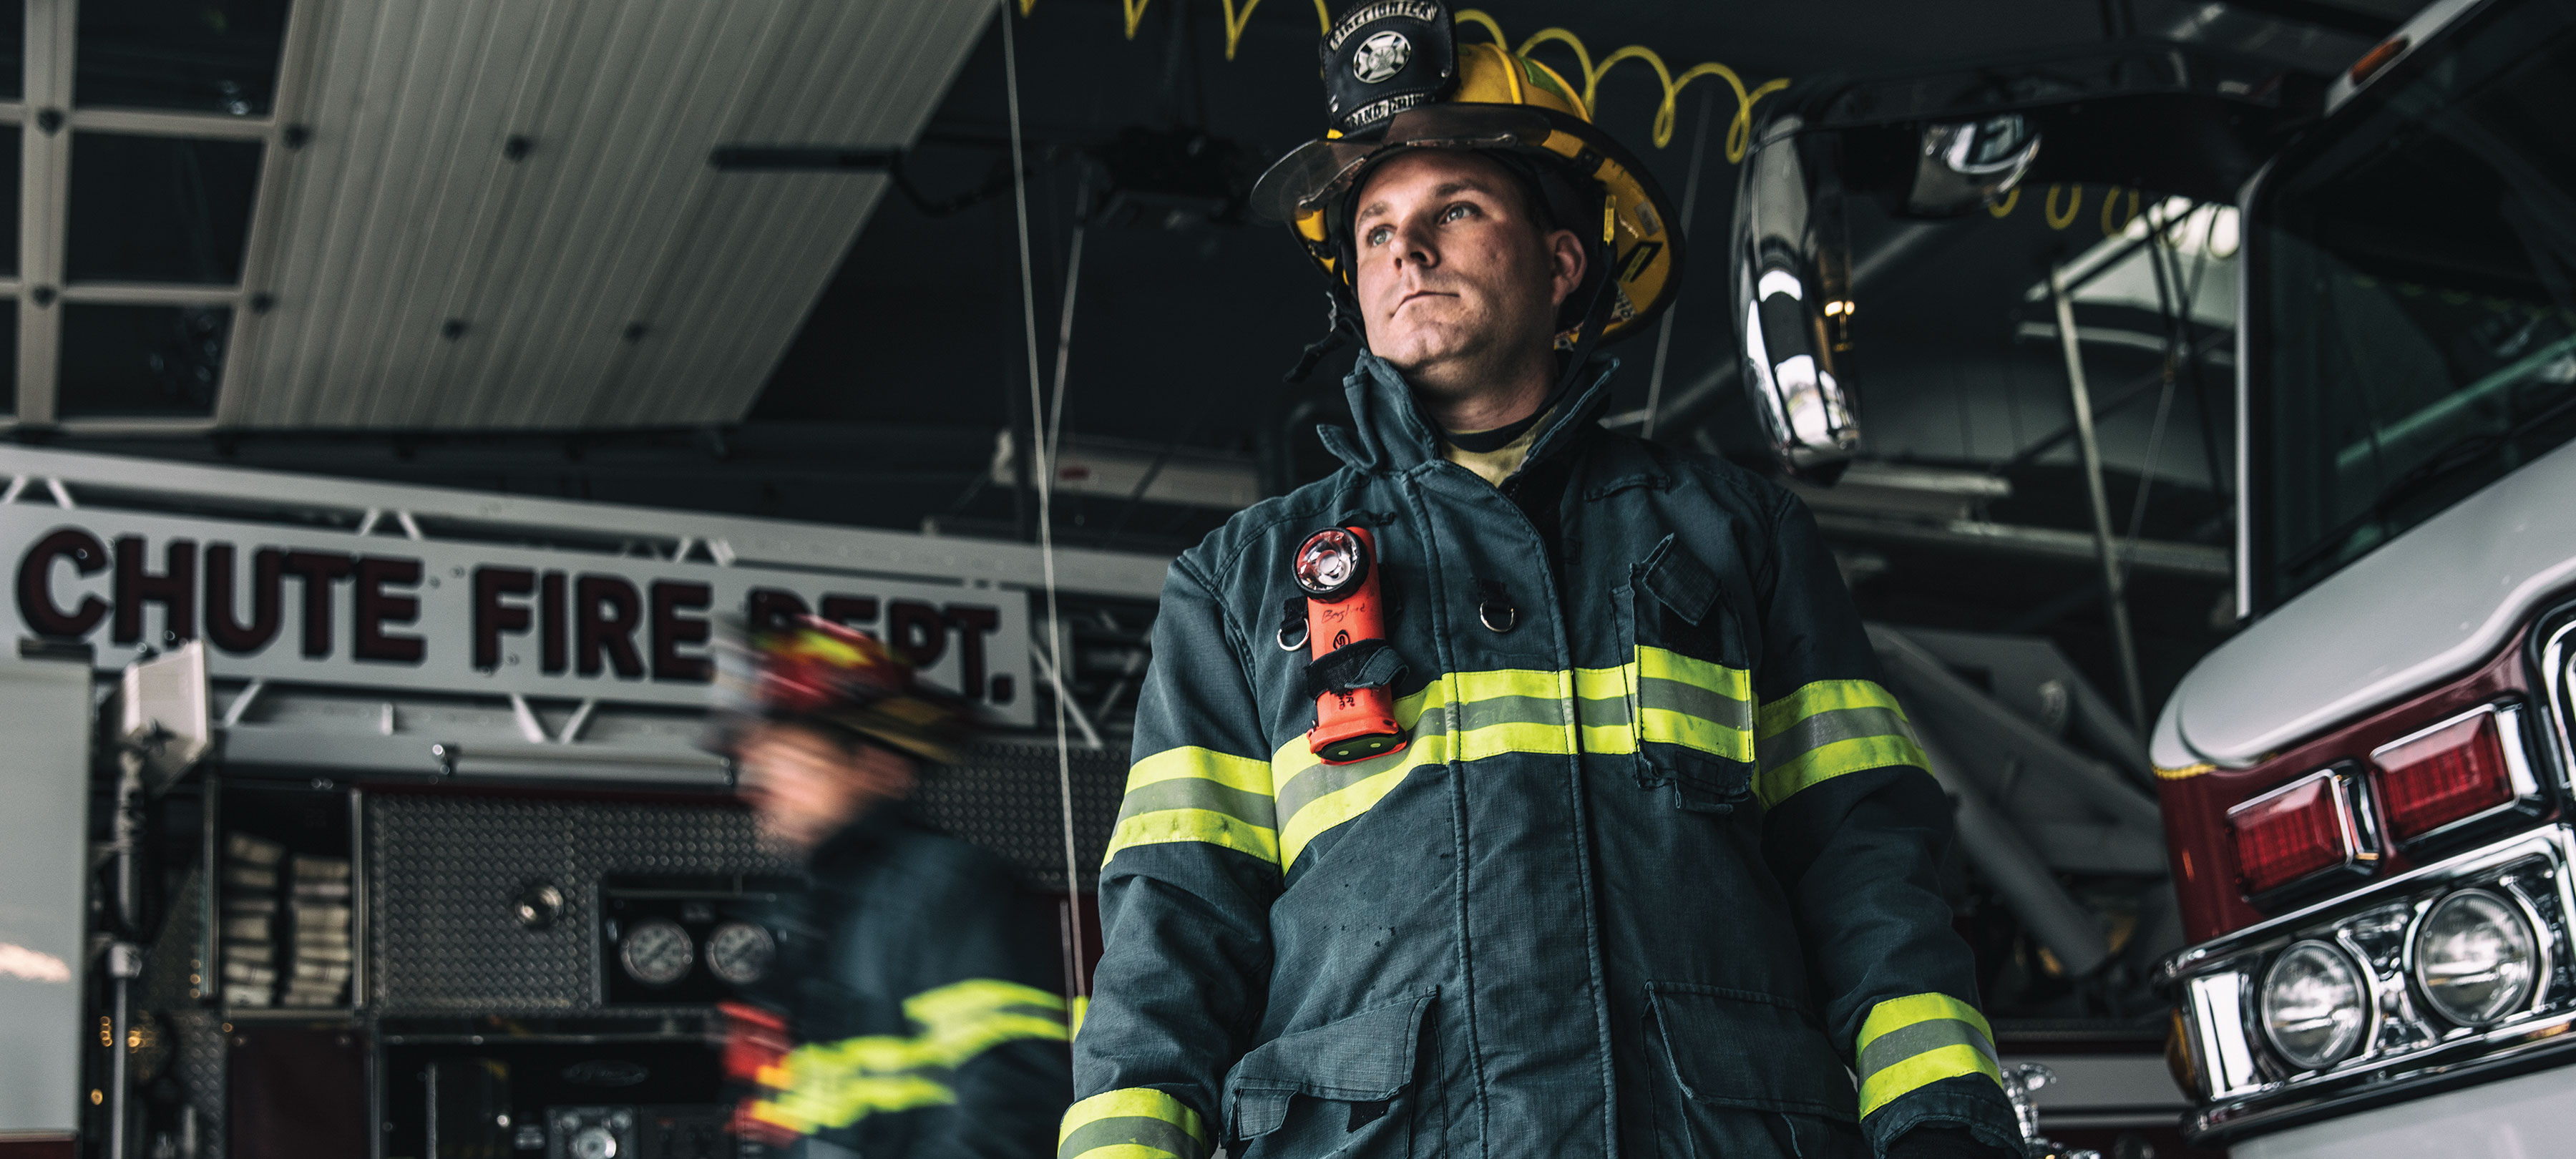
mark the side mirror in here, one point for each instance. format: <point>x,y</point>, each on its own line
<point>1793,293</point>
<point>1965,165</point>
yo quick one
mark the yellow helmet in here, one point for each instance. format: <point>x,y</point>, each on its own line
<point>1396,80</point>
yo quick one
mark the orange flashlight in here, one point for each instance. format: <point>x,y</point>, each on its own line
<point>1337,569</point>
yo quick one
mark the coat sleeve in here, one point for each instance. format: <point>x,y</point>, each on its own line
<point>1854,827</point>
<point>982,1071</point>
<point>987,996</point>
<point>1185,896</point>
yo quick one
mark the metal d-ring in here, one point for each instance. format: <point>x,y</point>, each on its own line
<point>1292,635</point>
<point>1494,607</point>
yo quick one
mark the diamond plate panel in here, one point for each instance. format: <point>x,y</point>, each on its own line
<point>444,872</point>
<point>1007,798</point>
<point>199,1065</point>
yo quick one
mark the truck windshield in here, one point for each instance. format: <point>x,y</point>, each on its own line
<point>2413,297</point>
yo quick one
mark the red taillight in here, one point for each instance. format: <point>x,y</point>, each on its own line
<point>2299,830</point>
<point>2443,774</point>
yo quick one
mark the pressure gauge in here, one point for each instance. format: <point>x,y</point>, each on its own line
<point>656,952</point>
<point>740,952</point>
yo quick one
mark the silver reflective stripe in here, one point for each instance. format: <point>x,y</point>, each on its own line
<point>1493,710</point>
<point>1307,785</point>
<point>1903,1043</point>
<point>1695,700</point>
<point>1194,793</point>
<point>1134,1130</point>
<point>1830,727</point>
<point>1604,712</point>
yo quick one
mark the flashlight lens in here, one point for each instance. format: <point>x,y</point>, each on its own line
<point>1329,561</point>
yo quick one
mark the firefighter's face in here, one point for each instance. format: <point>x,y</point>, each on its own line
<point>803,784</point>
<point>1453,267</point>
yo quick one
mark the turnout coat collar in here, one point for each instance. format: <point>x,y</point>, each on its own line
<point>1390,433</point>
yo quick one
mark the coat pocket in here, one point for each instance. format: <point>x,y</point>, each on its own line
<point>1347,1086</point>
<point>1690,688</point>
<point>1736,1048</point>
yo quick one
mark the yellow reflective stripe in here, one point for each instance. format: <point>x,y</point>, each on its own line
<point>1537,682</point>
<point>1733,683</point>
<point>1668,726</point>
<point>1605,683</point>
<point>1074,1012</point>
<point>1134,1123</point>
<point>1605,709</point>
<point>1661,724</point>
<point>1132,1103</point>
<point>1359,797</point>
<point>967,1018</point>
<point>1817,766</point>
<point>1920,1039</point>
<point>1609,739</point>
<point>1249,774</point>
<point>1494,740</point>
<point>1823,696</point>
<point>1163,808</point>
<point>1206,826</point>
<point>823,1099</point>
<point>1898,1013</point>
<point>1470,716</point>
<point>1802,745</point>
<point>1419,714</point>
<point>1886,1086</point>
<point>834,1084</point>
<point>1294,757</point>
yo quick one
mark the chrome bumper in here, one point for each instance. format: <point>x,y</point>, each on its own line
<point>2407,1051</point>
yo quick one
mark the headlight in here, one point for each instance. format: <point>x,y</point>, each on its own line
<point>2474,957</point>
<point>2313,1005</point>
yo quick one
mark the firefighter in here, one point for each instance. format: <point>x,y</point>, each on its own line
<point>914,969</point>
<point>1653,870</point>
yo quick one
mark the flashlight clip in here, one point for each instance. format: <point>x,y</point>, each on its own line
<point>1350,663</point>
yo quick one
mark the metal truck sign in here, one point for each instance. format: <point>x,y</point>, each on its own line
<point>330,607</point>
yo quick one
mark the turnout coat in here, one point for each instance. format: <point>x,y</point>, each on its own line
<point>1655,874</point>
<point>922,980</point>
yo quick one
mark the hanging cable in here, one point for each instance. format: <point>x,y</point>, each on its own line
<point>1072,287</point>
<point>1045,455</point>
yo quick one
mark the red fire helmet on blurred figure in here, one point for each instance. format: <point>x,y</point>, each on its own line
<point>809,670</point>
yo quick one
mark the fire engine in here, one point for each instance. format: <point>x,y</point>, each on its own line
<point>395,834</point>
<point>2366,789</point>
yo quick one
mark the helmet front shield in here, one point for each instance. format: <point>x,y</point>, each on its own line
<point>1318,171</point>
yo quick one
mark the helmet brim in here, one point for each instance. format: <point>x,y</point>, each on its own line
<point>1320,170</point>
<point>1641,228</point>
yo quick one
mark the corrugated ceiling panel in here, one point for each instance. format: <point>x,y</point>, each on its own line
<point>463,184</point>
<point>600,289</point>
<point>771,241</point>
<point>629,135</point>
<point>608,276</point>
<point>383,202</point>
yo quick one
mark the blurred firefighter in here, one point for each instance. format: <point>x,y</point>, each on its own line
<point>910,1013</point>
<point>1643,862</point>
